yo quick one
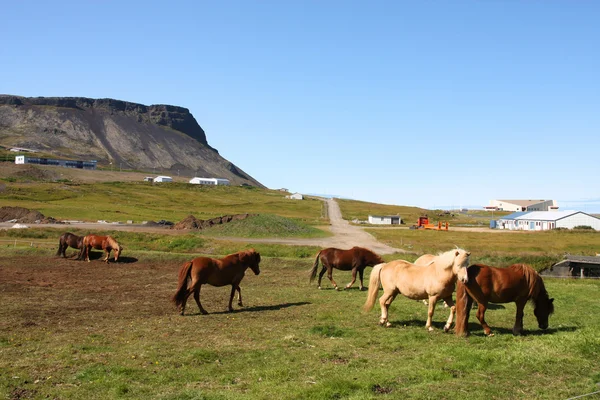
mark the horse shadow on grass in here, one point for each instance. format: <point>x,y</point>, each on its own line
<point>476,330</point>
<point>97,255</point>
<point>274,307</point>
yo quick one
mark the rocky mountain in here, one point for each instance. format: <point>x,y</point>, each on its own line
<point>156,138</point>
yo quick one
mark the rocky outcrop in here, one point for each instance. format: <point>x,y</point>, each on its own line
<point>158,138</point>
<point>191,222</point>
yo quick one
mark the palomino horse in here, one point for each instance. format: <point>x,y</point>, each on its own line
<point>433,281</point>
<point>425,259</point>
<point>355,259</point>
<point>68,239</point>
<point>518,283</point>
<point>106,243</point>
<point>229,270</point>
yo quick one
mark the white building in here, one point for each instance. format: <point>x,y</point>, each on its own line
<point>210,181</point>
<point>522,205</point>
<point>295,196</point>
<point>544,220</point>
<point>58,163</point>
<point>162,178</point>
<point>385,219</point>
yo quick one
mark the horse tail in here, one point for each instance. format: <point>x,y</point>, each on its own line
<point>463,309</point>
<point>374,282</point>
<point>184,274</point>
<point>313,271</point>
<point>60,245</point>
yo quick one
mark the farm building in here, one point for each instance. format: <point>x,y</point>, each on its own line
<point>544,220</point>
<point>385,219</point>
<point>521,205</point>
<point>210,181</point>
<point>162,178</point>
<point>58,163</point>
<point>295,196</point>
<point>576,267</point>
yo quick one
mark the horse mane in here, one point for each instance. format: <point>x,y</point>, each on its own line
<point>447,256</point>
<point>113,243</point>
<point>534,281</point>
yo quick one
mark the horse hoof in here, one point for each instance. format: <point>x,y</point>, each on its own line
<point>388,324</point>
<point>430,329</point>
<point>338,289</point>
<point>446,329</point>
<point>490,334</point>
<point>320,288</point>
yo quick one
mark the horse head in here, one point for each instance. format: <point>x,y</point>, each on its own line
<point>460,264</point>
<point>544,306</point>
<point>117,251</point>
<point>252,259</point>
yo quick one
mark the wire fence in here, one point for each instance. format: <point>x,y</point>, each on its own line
<point>14,243</point>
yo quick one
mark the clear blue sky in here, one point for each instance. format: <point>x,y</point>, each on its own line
<point>434,104</point>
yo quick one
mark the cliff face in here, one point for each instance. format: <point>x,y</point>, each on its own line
<point>135,136</point>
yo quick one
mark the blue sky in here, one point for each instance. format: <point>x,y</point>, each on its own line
<point>434,104</point>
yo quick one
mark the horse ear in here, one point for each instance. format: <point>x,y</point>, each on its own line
<point>457,253</point>
<point>469,253</point>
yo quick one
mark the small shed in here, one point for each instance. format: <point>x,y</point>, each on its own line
<point>162,178</point>
<point>296,196</point>
<point>385,219</point>
<point>209,181</point>
<point>576,267</point>
<point>149,179</point>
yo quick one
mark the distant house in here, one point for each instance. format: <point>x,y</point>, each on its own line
<point>295,196</point>
<point>162,178</point>
<point>283,190</point>
<point>521,205</point>
<point>58,163</point>
<point>149,179</point>
<point>385,219</point>
<point>545,220</point>
<point>210,181</point>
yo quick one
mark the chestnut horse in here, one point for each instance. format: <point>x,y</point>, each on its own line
<point>518,283</point>
<point>435,280</point>
<point>355,259</point>
<point>229,270</point>
<point>68,239</point>
<point>106,243</point>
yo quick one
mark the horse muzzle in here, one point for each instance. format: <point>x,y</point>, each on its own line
<point>543,326</point>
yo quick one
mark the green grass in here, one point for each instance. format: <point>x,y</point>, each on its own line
<point>141,201</point>
<point>263,226</point>
<point>360,210</point>
<point>124,340</point>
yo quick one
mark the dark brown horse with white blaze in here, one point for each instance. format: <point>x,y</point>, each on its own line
<point>355,259</point>
<point>106,243</point>
<point>229,270</point>
<point>518,283</point>
<point>68,239</point>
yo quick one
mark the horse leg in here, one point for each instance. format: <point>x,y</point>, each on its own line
<point>330,276</point>
<point>107,255</point>
<point>481,307</point>
<point>239,289</point>
<point>348,286</point>
<point>321,274</point>
<point>518,328</point>
<point>360,275</point>
<point>196,291</point>
<point>384,302</point>
<point>233,289</point>
<point>450,303</point>
<point>87,253</point>
<point>431,307</point>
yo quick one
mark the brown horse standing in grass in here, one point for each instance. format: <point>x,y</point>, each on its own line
<point>518,283</point>
<point>68,239</point>
<point>106,243</point>
<point>355,259</point>
<point>229,270</point>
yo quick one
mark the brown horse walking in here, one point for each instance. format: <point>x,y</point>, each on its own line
<point>355,259</point>
<point>518,283</point>
<point>229,270</point>
<point>434,281</point>
<point>106,243</point>
<point>68,239</point>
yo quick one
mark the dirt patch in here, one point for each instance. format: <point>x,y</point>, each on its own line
<point>24,216</point>
<point>35,173</point>
<point>191,222</point>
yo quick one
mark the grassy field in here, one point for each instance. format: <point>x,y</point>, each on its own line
<point>360,210</point>
<point>140,201</point>
<point>79,330</point>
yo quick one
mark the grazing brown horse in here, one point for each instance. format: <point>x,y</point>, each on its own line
<point>229,270</point>
<point>518,283</point>
<point>355,259</point>
<point>106,243</point>
<point>434,281</point>
<point>68,239</point>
